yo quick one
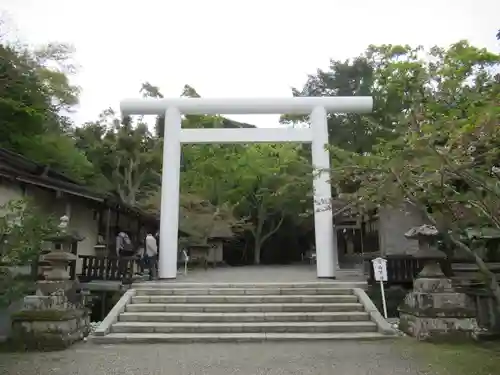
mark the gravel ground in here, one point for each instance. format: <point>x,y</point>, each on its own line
<point>318,358</point>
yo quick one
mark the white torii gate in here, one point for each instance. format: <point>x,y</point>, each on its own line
<point>317,135</point>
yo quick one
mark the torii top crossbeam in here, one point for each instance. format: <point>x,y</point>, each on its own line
<point>227,106</point>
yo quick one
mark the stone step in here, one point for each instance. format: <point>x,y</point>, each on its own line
<point>247,299</point>
<point>239,307</point>
<point>248,327</point>
<point>242,291</point>
<point>244,317</point>
<point>120,338</point>
<point>311,284</point>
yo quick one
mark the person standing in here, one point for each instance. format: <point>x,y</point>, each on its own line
<point>124,249</point>
<point>151,255</point>
<point>140,258</point>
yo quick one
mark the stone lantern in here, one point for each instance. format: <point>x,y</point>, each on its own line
<point>434,309</point>
<point>56,316</point>
<point>63,253</point>
<point>427,236</point>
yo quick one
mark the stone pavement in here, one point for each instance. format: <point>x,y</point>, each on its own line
<point>264,273</point>
<point>311,358</point>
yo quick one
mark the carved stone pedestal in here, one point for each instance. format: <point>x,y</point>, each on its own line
<point>49,323</point>
<point>435,311</point>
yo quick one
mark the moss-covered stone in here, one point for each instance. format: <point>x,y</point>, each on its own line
<point>437,329</point>
<point>47,315</point>
<point>48,330</point>
<point>40,341</point>
<point>435,312</point>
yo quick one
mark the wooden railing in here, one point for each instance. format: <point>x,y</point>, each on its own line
<point>106,268</point>
<point>96,268</point>
<point>402,269</point>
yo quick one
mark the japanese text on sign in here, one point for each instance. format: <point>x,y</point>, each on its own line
<point>380,269</point>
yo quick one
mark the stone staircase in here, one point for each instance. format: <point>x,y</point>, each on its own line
<point>193,312</point>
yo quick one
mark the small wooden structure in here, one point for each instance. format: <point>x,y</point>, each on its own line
<point>206,228</point>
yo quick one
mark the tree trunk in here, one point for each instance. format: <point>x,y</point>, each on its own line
<point>256,253</point>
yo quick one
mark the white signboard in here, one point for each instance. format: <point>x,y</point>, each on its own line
<point>380,269</point>
<point>380,272</point>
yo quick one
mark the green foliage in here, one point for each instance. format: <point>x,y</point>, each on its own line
<point>349,131</point>
<point>263,183</point>
<point>397,77</point>
<point>431,139</point>
<point>455,358</point>
<point>444,157</point>
<point>35,95</point>
<point>233,186</point>
<point>23,228</point>
<point>150,91</point>
<point>48,149</point>
<point>54,63</point>
<point>447,132</point>
<point>22,99</point>
<point>200,219</point>
<point>22,231</point>
<point>125,154</point>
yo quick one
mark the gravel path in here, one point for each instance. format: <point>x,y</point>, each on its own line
<point>318,358</point>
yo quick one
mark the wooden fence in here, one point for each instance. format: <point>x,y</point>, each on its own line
<point>96,268</point>
<point>106,268</point>
<point>402,269</point>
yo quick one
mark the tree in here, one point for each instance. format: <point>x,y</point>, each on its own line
<point>125,154</point>
<point>54,64</point>
<point>199,218</point>
<point>22,231</point>
<point>190,92</point>
<point>35,96</point>
<point>263,182</point>
<point>445,157</point>
<point>354,132</point>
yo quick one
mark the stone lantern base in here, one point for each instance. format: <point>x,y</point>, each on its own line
<point>434,310</point>
<point>48,323</point>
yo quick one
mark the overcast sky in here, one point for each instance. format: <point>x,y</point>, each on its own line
<point>234,48</point>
